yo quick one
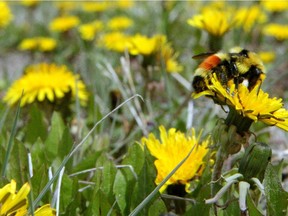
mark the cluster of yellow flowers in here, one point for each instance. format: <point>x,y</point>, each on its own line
<point>218,19</point>
<point>38,43</point>
<point>89,30</point>
<point>142,45</point>
<point>94,6</point>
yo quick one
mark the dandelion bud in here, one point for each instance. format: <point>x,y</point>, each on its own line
<point>255,161</point>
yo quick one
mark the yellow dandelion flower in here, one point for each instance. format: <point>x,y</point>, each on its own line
<point>5,15</point>
<point>267,57</point>
<point>173,66</point>
<point>116,41</point>
<point>141,44</point>
<point>96,6</point>
<point>247,17</point>
<point>64,23</point>
<point>30,3</point>
<point>46,81</point>
<point>169,56</point>
<point>215,21</point>
<point>47,44</point>
<point>124,4</point>
<point>120,23</point>
<point>278,31</point>
<point>28,44</point>
<point>172,148</point>
<point>89,30</point>
<point>275,6</point>
<point>13,203</point>
<point>38,43</point>
<point>66,5</point>
<point>255,104</point>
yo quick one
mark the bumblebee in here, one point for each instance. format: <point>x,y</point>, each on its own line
<point>239,66</point>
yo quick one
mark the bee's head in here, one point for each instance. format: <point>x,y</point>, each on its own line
<point>245,59</point>
<point>252,59</point>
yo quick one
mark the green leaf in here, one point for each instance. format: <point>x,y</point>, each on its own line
<point>88,162</point>
<point>145,184</point>
<point>158,207</point>
<point>276,197</point>
<point>232,209</point>
<point>119,189</point>
<point>19,163</point>
<point>75,203</point>
<point>39,180</point>
<point>66,192</point>
<point>252,209</point>
<point>109,173</point>
<point>136,158</point>
<point>55,135</point>
<point>65,144</point>
<point>200,207</point>
<point>38,154</point>
<point>99,205</point>
<point>35,127</point>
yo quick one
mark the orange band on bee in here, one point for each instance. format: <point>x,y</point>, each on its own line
<point>210,62</point>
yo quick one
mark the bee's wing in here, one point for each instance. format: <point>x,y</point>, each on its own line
<point>203,55</point>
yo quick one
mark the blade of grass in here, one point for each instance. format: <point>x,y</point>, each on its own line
<point>30,197</point>
<point>57,191</point>
<point>47,186</point>
<point>137,210</point>
<point>3,117</point>
<point>11,138</point>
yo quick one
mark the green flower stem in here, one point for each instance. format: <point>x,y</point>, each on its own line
<point>229,136</point>
<point>221,156</point>
<point>242,123</point>
<point>215,42</point>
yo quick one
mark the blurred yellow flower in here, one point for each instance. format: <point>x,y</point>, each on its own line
<point>13,203</point>
<point>278,31</point>
<point>267,57</point>
<point>5,15</point>
<point>124,3</point>
<point>169,56</point>
<point>88,31</point>
<point>215,21</point>
<point>46,82</point>
<point>172,148</point>
<point>30,3</point>
<point>116,41</point>
<point>100,6</point>
<point>38,43</point>
<point>64,23</point>
<point>96,6</point>
<point>66,5</point>
<point>173,66</point>
<point>247,17</point>
<point>274,5</point>
<point>120,23</point>
<point>255,104</point>
<point>141,44</point>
